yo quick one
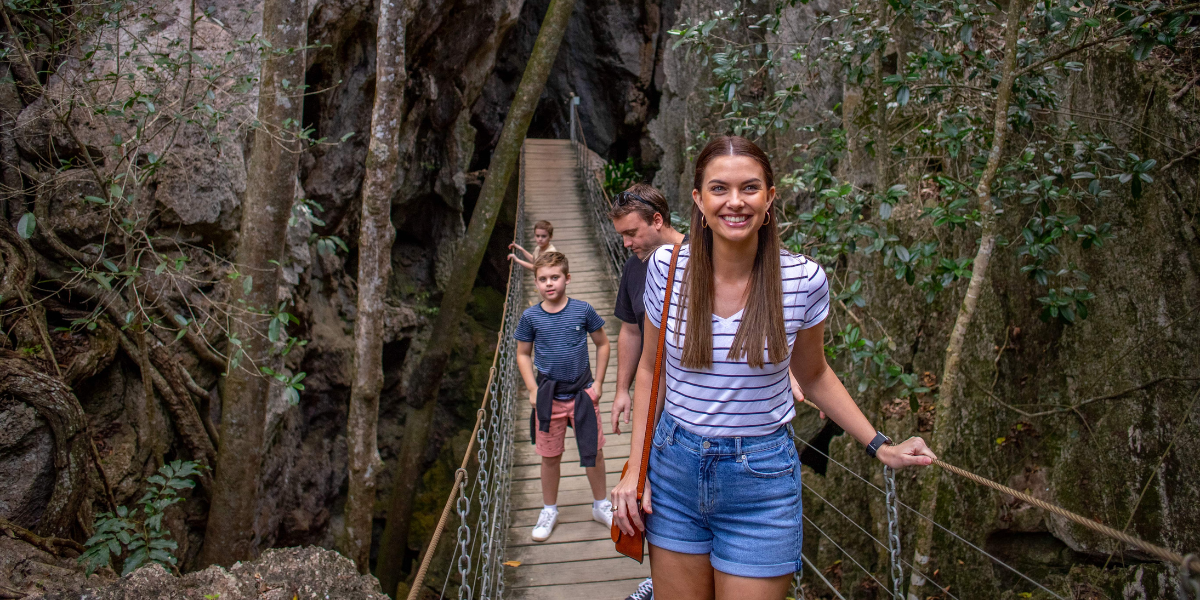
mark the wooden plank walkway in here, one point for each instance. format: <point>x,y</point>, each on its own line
<point>578,561</point>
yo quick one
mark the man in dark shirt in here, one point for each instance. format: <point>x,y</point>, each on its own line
<point>643,218</point>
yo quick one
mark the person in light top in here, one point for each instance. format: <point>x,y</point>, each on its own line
<point>722,509</point>
<point>543,232</point>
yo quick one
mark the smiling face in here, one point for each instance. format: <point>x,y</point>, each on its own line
<point>734,197</point>
<point>638,235</point>
<point>552,282</point>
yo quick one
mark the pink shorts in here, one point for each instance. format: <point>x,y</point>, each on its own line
<point>553,443</point>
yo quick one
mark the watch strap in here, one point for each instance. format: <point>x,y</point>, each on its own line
<point>877,442</point>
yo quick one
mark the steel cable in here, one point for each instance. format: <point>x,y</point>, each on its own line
<point>876,540</point>
<point>494,424</point>
<point>852,559</point>
<point>936,524</point>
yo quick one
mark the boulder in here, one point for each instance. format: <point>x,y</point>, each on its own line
<point>309,573</point>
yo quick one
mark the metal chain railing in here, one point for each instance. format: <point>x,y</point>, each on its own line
<point>483,508</point>
<point>597,200</point>
<point>893,530</point>
<point>1187,566</point>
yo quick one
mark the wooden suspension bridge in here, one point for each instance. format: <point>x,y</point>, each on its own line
<point>496,556</point>
<point>578,561</point>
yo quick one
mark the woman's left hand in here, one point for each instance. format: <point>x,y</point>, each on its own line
<point>910,452</point>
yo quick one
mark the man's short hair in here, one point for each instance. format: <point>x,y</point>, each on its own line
<point>643,199</point>
<point>551,259</point>
<point>544,226</point>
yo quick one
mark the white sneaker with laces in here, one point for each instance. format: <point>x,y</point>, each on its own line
<point>644,591</point>
<point>545,525</point>
<point>603,514</point>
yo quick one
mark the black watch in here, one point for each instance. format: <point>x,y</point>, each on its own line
<point>876,442</point>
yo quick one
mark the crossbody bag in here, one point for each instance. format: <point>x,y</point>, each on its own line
<point>634,546</point>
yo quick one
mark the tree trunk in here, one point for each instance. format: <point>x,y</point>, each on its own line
<point>231,533</point>
<point>10,163</point>
<point>951,377</point>
<point>376,235</point>
<point>394,544</point>
<point>424,389</point>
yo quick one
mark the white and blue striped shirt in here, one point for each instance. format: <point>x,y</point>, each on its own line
<point>731,398</point>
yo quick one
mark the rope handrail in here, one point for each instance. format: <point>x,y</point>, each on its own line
<point>1163,554</point>
<point>459,476</point>
<point>598,202</point>
<point>1188,566</point>
<point>489,396</point>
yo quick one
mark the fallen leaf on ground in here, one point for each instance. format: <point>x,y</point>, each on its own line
<point>512,563</point>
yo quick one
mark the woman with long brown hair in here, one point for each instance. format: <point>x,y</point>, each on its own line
<point>721,506</point>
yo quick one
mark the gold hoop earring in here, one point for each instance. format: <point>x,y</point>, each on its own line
<point>703,223</point>
<point>768,218</point>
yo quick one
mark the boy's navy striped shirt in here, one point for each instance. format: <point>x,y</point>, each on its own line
<point>559,339</point>
<point>731,398</point>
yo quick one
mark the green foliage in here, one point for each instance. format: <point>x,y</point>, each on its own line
<point>291,383</point>
<point>138,535</point>
<point>27,225</point>
<point>681,223</point>
<point>937,104</point>
<point>618,176</point>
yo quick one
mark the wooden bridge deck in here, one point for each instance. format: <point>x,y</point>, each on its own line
<point>578,561</point>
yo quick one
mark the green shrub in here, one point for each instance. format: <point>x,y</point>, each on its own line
<point>620,175</point>
<point>138,535</point>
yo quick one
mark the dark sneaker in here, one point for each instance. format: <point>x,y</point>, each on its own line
<point>645,591</point>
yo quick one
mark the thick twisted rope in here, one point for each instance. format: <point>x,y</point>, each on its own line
<point>1159,552</point>
<point>461,474</point>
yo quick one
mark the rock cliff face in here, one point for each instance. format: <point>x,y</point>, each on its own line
<point>643,100</point>
<point>1122,457</point>
<point>465,58</point>
<point>610,58</point>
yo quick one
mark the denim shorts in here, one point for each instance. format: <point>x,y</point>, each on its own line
<point>736,499</point>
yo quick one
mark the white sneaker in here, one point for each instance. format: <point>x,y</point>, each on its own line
<point>545,525</point>
<point>603,514</point>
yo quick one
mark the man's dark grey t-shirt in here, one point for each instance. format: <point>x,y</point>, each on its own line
<point>630,307</point>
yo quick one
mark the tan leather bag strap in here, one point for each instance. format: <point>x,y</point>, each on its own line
<point>651,423</point>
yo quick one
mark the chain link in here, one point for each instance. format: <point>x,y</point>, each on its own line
<point>484,514</point>
<point>893,530</point>
<point>463,507</point>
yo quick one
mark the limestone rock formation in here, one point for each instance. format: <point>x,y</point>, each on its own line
<point>308,573</point>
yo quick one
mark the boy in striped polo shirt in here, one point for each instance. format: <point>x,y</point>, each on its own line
<point>562,388</point>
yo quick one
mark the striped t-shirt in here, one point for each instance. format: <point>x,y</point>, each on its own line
<point>731,398</point>
<point>559,339</point>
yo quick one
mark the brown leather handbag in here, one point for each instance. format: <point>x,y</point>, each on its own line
<point>634,546</point>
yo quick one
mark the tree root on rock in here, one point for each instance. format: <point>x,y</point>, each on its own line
<point>53,545</point>
<point>55,402</point>
<point>183,412</point>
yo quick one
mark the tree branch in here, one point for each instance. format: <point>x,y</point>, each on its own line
<point>1115,34</point>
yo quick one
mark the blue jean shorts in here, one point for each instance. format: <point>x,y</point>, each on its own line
<point>736,499</point>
